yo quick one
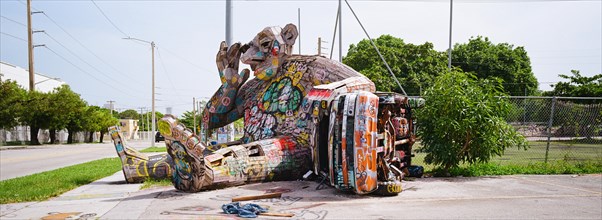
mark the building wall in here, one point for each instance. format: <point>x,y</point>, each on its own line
<point>21,76</point>
<point>129,128</point>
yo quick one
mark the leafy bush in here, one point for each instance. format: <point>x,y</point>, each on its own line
<point>464,121</point>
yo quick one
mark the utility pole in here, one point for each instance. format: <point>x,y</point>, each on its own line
<point>141,121</point>
<point>152,43</point>
<point>30,48</point>
<point>299,24</point>
<point>229,22</point>
<point>319,46</point>
<point>148,125</point>
<point>340,31</point>
<point>451,10</point>
<point>111,106</point>
<point>154,120</point>
<point>320,41</point>
<point>194,114</point>
<point>229,34</point>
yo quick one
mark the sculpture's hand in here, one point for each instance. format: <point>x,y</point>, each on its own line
<point>227,60</point>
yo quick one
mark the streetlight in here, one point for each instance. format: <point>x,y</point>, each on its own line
<point>45,80</point>
<point>152,43</point>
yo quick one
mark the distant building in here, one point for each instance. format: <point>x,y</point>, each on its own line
<point>129,128</point>
<point>168,110</point>
<point>21,76</point>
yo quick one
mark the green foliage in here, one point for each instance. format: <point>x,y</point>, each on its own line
<point>129,114</point>
<point>65,105</point>
<point>150,183</point>
<point>578,86</point>
<point>154,150</point>
<point>557,167</point>
<point>105,120</point>
<point>148,116</point>
<point>488,60</point>
<point>188,120</point>
<point>415,66</point>
<point>463,121</point>
<point>41,186</point>
<point>12,103</point>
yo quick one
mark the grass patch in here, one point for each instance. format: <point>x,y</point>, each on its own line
<point>564,157</point>
<point>557,167</point>
<point>41,186</point>
<point>154,150</point>
<point>571,152</point>
<point>149,183</point>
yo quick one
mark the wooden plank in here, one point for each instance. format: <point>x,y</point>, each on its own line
<point>277,214</point>
<point>256,197</point>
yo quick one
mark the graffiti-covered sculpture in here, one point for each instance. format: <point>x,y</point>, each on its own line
<point>138,167</point>
<point>301,113</point>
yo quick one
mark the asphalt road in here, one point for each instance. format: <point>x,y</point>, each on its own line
<point>22,161</point>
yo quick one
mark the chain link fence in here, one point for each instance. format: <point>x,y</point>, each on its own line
<point>556,128</point>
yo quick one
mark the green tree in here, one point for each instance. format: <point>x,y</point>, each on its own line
<point>11,103</point>
<point>187,119</point>
<point>488,60</point>
<point>105,120</point>
<point>36,114</point>
<point>464,121</point>
<point>577,86</point>
<point>98,119</point>
<point>64,104</point>
<point>148,116</point>
<point>76,117</point>
<point>129,114</point>
<point>415,66</point>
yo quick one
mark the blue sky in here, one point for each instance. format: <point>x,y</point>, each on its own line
<point>87,52</point>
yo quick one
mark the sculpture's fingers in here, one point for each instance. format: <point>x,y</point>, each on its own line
<point>221,57</point>
<point>234,56</point>
<point>245,73</point>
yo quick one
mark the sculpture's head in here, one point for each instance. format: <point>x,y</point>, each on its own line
<point>272,42</point>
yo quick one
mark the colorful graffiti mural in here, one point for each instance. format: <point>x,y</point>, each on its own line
<point>292,109</point>
<point>136,166</point>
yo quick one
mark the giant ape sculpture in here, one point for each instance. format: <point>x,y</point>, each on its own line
<point>300,113</point>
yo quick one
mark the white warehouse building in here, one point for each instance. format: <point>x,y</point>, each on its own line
<point>21,76</point>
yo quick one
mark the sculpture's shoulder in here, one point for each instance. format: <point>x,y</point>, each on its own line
<point>319,68</point>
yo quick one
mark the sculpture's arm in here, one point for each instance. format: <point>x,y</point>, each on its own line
<point>227,59</point>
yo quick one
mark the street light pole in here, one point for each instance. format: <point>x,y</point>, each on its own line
<point>154,119</point>
<point>30,48</point>
<point>152,43</point>
<point>449,51</point>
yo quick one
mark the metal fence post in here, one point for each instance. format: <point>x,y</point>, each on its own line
<point>550,127</point>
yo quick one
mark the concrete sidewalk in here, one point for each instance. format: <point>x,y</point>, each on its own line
<point>503,197</point>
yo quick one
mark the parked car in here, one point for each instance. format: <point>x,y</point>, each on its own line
<point>159,137</point>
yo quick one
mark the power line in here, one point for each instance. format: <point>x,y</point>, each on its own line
<point>376,48</point>
<point>86,72</point>
<point>90,65</point>
<point>88,49</point>
<point>103,14</point>
<point>118,29</point>
<point>165,70</point>
<point>423,1</point>
<point>185,60</point>
<point>16,22</point>
<point>18,38</point>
